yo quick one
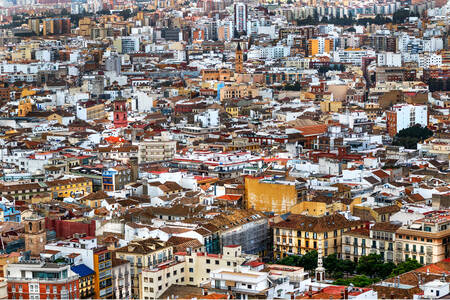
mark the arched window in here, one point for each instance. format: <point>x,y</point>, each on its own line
<point>30,226</point>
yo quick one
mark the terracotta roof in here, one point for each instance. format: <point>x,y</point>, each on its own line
<point>387,209</point>
<point>317,224</point>
<point>385,226</point>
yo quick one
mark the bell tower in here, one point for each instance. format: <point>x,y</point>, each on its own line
<point>120,113</point>
<point>239,60</point>
<point>35,234</point>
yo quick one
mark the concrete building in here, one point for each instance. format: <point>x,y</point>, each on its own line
<point>403,116</point>
<point>157,149</point>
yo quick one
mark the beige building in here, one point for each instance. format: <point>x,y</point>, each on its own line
<point>143,254</point>
<point>158,149</point>
<point>237,91</point>
<point>427,240</point>
<point>189,269</point>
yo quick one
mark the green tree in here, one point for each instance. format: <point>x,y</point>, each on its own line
<point>373,266</point>
<point>409,137</point>
<point>358,281</point>
<point>309,260</point>
<point>406,266</point>
<point>331,263</point>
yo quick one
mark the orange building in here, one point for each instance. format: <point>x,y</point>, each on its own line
<point>103,273</point>
<point>319,46</point>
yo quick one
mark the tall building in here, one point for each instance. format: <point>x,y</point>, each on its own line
<point>239,60</point>
<point>403,116</point>
<point>34,25</point>
<point>319,45</point>
<point>35,234</point>
<point>120,113</point>
<point>103,275</point>
<point>240,17</point>
<point>35,279</point>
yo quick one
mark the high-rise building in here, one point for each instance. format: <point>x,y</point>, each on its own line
<point>34,25</point>
<point>319,45</point>
<point>240,17</point>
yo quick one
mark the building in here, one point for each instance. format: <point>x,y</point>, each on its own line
<point>189,268</point>
<point>273,194</point>
<point>35,234</point>
<point>403,116</point>
<point>160,148</point>
<point>120,113</point>
<point>240,17</point>
<point>121,278</point>
<point>90,110</point>
<point>379,239</point>
<point>142,254</point>
<point>36,279</point>
<point>298,234</point>
<point>239,60</point>
<point>320,45</point>
<point>425,240</point>
<point>103,273</point>
<point>116,178</point>
<point>86,280</point>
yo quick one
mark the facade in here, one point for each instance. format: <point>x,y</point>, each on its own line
<point>103,275</point>
<point>39,280</point>
<point>379,239</point>
<point>86,281</point>
<point>425,240</point>
<point>121,278</point>
<point>161,149</point>
<point>142,254</point>
<point>404,116</point>
<point>299,234</point>
<point>240,17</point>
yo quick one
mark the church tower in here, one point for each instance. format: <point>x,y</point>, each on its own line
<point>35,234</point>
<point>239,60</point>
<point>120,113</point>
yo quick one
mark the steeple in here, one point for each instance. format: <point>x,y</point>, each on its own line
<point>239,60</point>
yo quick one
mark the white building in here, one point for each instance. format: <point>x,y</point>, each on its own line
<point>389,59</point>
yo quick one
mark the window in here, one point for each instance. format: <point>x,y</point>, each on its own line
<point>208,271</point>
<point>208,261</point>
<point>191,279</point>
<point>249,286</point>
<point>159,278</point>
<point>191,270</point>
<point>314,235</point>
<point>217,262</point>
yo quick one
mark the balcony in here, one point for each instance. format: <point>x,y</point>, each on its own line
<point>40,280</point>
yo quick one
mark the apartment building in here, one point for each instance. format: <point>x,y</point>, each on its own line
<point>298,234</point>
<point>426,239</point>
<point>142,254</point>
<point>403,116</point>
<point>189,268</point>
<point>379,239</point>
<point>157,149</point>
<point>35,279</point>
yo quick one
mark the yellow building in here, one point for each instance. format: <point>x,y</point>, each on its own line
<point>86,281</point>
<point>103,273</point>
<point>141,254</point>
<point>330,106</point>
<point>299,234</point>
<point>273,195</point>
<point>237,91</point>
<point>25,106</point>
<point>70,187</point>
<point>22,52</point>
<point>233,111</point>
<point>94,200</point>
<point>319,46</point>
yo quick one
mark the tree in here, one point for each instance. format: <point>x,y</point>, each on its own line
<point>406,266</point>
<point>358,281</point>
<point>337,267</point>
<point>307,261</point>
<point>331,263</point>
<point>373,266</point>
<point>409,137</point>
